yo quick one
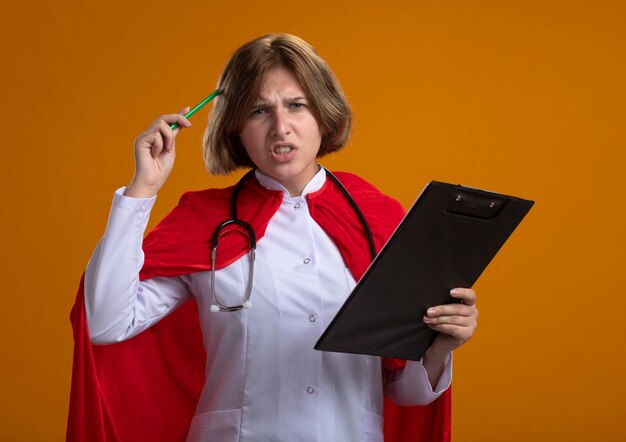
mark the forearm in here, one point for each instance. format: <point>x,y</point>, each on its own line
<point>117,305</point>
<point>412,386</point>
<point>435,360</point>
<point>112,275</point>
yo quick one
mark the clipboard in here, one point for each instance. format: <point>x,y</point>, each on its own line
<point>446,240</point>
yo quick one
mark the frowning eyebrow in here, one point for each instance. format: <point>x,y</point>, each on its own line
<point>266,103</point>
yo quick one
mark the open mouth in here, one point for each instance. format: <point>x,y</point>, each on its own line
<point>281,150</point>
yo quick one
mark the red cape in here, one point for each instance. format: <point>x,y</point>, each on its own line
<point>146,388</point>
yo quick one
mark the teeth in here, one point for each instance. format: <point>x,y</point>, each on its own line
<point>281,150</point>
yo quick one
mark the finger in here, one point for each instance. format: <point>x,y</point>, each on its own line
<point>175,118</point>
<point>451,309</point>
<point>463,321</point>
<point>168,135</point>
<point>180,121</point>
<point>170,119</point>
<point>467,296</point>
<point>157,145</point>
<point>462,334</point>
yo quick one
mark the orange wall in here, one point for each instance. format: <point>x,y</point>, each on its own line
<point>522,97</point>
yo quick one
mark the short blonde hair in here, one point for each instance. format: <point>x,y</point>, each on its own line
<point>240,85</point>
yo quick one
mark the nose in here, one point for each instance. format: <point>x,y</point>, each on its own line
<point>281,125</point>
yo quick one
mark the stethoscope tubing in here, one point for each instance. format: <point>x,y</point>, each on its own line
<point>217,305</point>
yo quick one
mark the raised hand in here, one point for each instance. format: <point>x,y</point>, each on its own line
<point>155,152</point>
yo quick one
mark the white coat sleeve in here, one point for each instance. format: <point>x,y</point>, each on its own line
<point>117,305</point>
<point>410,386</point>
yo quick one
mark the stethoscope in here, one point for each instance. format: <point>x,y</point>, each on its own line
<point>245,304</point>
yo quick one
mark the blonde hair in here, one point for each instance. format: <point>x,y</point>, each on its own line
<point>240,85</point>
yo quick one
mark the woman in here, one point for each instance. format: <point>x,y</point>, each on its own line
<point>279,110</point>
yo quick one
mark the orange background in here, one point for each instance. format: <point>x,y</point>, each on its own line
<point>521,97</point>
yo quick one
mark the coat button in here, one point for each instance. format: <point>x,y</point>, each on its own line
<point>312,318</point>
<point>310,390</point>
<point>306,260</point>
<point>296,206</point>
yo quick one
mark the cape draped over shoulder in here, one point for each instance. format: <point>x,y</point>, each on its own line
<point>147,388</point>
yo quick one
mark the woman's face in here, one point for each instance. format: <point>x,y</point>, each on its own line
<point>281,135</point>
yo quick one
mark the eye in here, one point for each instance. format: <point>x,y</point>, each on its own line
<point>297,105</point>
<point>258,111</point>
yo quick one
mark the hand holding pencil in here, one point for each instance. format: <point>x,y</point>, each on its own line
<point>155,151</point>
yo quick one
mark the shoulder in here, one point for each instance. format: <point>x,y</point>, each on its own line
<point>355,182</point>
<point>202,197</point>
<point>196,208</point>
<point>199,203</point>
<point>360,189</point>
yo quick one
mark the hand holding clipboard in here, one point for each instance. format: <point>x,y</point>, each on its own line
<point>445,241</point>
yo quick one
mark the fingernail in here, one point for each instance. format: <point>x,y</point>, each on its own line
<point>432,311</point>
<point>426,319</point>
<point>454,292</point>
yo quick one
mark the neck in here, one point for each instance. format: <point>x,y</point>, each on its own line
<point>293,186</point>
